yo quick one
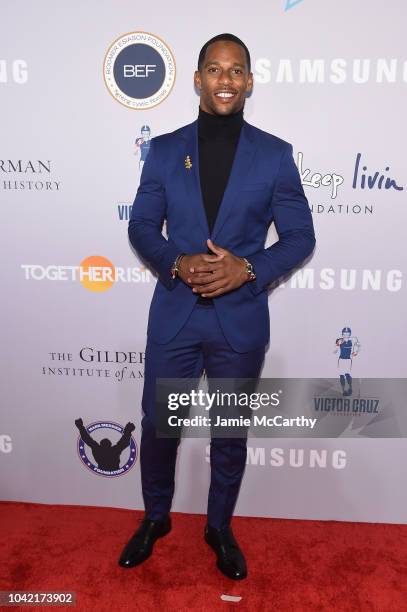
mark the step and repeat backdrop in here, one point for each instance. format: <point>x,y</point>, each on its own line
<point>84,86</point>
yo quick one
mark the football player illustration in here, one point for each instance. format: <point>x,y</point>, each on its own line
<point>142,145</point>
<point>348,347</point>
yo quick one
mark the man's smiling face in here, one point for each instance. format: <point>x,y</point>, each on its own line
<point>224,78</point>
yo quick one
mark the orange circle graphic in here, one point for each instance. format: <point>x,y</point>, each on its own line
<point>97,273</point>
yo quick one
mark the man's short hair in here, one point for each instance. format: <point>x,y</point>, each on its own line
<point>228,37</point>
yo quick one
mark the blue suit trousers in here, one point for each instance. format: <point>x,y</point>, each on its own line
<point>200,344</point>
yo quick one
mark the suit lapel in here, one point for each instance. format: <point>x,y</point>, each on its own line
<point>192,177</point>
<point>241,165</point>
<point>238,175</point>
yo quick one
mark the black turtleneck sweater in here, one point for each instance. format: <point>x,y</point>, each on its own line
<point>218,136</point>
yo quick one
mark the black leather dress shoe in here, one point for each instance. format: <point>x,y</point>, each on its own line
<point>140,545</point>
<point>231,561</point>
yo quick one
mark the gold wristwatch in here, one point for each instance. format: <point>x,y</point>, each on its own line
<point>249,270</point>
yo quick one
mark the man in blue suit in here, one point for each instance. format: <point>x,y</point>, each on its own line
<point>219,183</point>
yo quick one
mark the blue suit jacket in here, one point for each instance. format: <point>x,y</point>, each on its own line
<point>264,186</point>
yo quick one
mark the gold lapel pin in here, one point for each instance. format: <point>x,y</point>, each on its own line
<point>188,163</point>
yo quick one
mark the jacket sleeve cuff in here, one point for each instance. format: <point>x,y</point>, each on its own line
<point>263,269</point>
<point>164,266</point>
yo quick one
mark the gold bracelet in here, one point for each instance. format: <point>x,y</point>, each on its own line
<point>175,265</point>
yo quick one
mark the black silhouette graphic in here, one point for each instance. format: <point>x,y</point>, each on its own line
<point>106,456</point>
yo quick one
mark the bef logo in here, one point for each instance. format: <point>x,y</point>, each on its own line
<point>105,457</point>
<point>139,70</point>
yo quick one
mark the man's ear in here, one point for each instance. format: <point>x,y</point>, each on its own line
<point>197,79</point>
<point>250,82</point>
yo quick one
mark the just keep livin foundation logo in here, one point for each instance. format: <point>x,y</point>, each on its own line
<point>139,70</point>
<point>95,273</point>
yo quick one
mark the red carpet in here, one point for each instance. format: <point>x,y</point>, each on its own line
<point>293,565</point>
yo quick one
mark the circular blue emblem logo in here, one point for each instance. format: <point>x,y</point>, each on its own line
<point>139,70</point>
<point>106,448</point>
